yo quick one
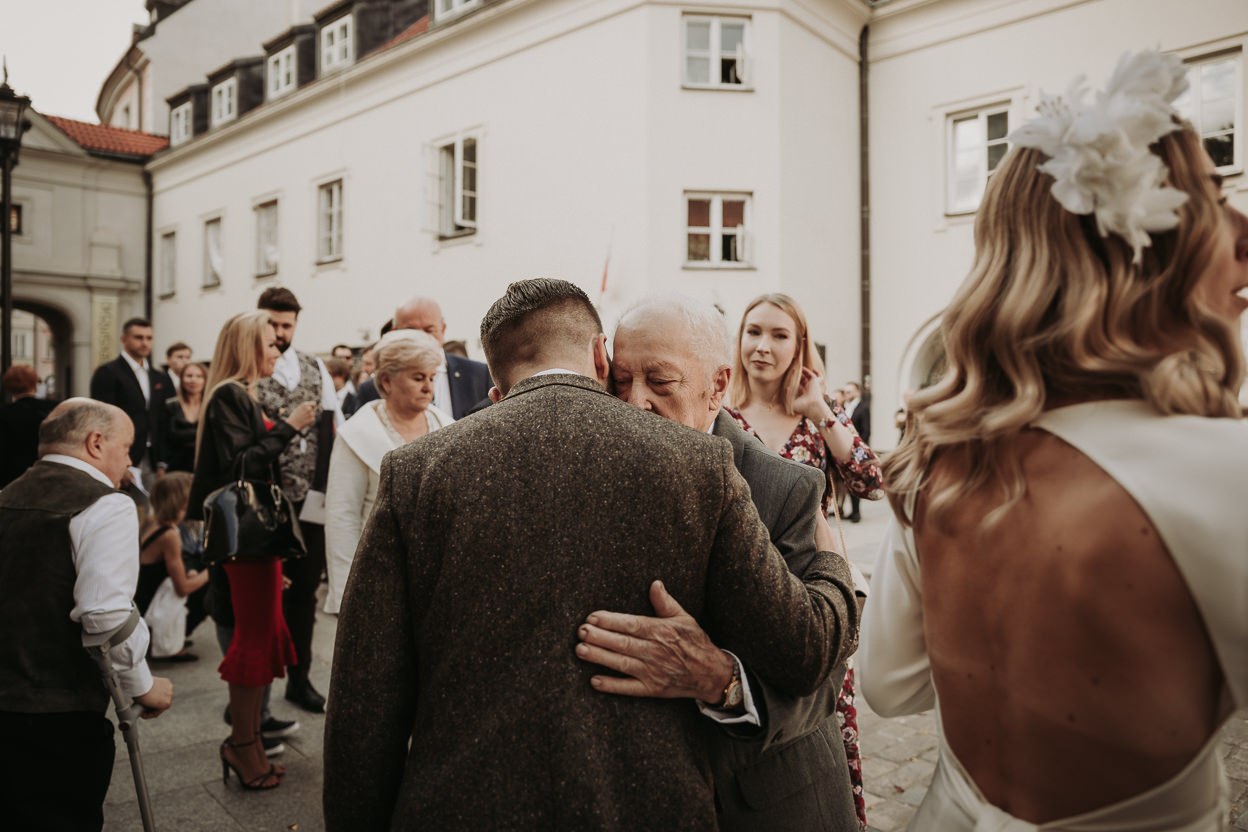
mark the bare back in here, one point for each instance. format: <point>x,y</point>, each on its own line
<point>1071,663</point>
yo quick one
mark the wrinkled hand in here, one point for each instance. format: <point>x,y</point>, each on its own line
<point>825,538</point>
<point>809,400</point>
<point>668,657</point>
<point>157,700</point>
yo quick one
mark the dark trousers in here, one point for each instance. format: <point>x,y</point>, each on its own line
<point>54,770</point>
<point>299,601</point>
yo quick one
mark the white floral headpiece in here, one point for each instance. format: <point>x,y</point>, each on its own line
<point>1099,153</point>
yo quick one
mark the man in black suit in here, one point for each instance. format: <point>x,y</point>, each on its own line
<point>131,383</point>
<point>859,410</point>
<point>460,382</point>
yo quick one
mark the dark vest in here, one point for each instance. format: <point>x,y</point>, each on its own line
<point>298,459</point>
<point>43,667</point>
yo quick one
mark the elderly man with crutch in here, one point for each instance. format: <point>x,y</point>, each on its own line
<point>68,566</point>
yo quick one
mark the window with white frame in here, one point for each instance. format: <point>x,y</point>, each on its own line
<point>224,101</point>
<point>716,51</point>
<point>21,345</point>
<point>15,219</point>
<point>717,229</point>
<point>336,45</point>
<point>180,123</point>
<point>214,257</point>
<point>281,70</point>
<point>329,222</point>
<point>457,191</point>
<point>168,263</point>
<point>450,8</point>
<point>1212,105</point>
<point>976,143</point>
<point>266,238</point>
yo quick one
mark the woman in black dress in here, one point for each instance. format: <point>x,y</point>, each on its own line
<point>182,413</point>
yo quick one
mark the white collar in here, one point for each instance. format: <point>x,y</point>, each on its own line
<point>81,465</point>
<point>134,365</point>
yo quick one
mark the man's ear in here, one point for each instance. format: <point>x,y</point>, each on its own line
<point>719,385</point>
<point>495,395</point>
<point>602,361</point>
<point>94,445</point>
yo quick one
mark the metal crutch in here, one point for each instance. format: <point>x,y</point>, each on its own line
<point>98,646</point>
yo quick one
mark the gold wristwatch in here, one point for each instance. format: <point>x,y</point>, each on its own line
<point>734,693</point>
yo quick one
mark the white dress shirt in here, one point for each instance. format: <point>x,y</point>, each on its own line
<point>442,388</point>
<point>851,405</point>
<point>140,373</point>
<point>286,372</point>
<point>104,541</point>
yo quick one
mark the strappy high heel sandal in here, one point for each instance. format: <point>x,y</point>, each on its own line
<point>255,783</point>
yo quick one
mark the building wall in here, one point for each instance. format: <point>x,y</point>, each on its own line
<point>80,259</point>
<point>587,143</point>
<point>929,60</point>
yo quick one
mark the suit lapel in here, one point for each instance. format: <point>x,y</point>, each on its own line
<point>727,427</point>
<point>129,378</point>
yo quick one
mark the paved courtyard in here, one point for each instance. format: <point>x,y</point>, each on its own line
<point>184,774</point>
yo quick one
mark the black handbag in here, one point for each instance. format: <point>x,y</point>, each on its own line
<point>250,519</point>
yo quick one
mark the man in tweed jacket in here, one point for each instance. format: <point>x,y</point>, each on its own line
<point>490,542</point>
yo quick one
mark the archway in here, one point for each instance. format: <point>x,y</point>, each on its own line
<point>62,330</point>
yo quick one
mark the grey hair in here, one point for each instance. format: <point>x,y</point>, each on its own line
<point>68,429</point>
<point>704,325</point>
<point>402,349</point>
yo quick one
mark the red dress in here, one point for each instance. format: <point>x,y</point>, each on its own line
<point>261,648</point>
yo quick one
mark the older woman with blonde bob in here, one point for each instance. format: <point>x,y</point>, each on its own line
<point>406,362</point>
<point>1065,581</point>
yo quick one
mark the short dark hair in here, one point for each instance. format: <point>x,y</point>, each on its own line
<point>133,322</point>
<point>513,330</point>
<point>19,379</point>
<point>337,368</point>
<point>337,347</point>
<point>177,345</point>
<point>278,299</point>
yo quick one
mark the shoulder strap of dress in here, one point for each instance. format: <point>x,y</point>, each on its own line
<point>155,535</point>
<point>1185,472</point>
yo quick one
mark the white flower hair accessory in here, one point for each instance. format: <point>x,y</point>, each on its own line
<point>1099,152</point>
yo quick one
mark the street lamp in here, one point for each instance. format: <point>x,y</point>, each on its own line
<point>13,124</point>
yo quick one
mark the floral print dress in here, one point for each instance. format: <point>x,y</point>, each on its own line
<point>863,478</point>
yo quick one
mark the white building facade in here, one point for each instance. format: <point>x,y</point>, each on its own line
<point>706,148</point>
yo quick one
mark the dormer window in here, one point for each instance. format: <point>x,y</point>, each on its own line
<point>450,8</point>
<point>224,101</point>
<point>336,45</point>
<point>281,75</point>
<point>180,124</point>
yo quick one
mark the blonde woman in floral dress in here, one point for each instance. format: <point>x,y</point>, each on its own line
<point>777,394</point>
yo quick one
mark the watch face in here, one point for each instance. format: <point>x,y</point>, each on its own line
<point>735,695</point>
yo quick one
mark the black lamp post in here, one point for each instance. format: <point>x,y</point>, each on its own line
<point>13,124</point>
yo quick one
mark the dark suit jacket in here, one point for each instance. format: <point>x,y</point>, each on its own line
<point>114,382</point>
<point>490,542</point>
<point>861,417</point>
<point>791,773</point>
<point>469,381</point>
<point>19,435</point>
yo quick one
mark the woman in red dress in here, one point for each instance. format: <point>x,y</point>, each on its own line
<point>234,436</point>
<point>777,394</point>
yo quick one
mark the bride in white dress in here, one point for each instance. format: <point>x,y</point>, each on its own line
<point>1066,579</point>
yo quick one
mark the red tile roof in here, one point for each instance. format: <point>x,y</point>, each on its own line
<point>419,27</point>
<point>109,139</point>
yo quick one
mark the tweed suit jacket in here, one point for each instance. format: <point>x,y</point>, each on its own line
<point>491,541</point>
<point>791,773</point>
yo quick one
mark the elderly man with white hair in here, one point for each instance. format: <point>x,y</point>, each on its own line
<point>69,562</point>
<point>778,760</point>
<point>406,364</point>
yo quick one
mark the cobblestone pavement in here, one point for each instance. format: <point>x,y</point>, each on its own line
<point>183,771</point>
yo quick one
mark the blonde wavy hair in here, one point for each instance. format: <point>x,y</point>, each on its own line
<point>1053,314</point>
<point>804,356</point>
<point>238,357</point>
